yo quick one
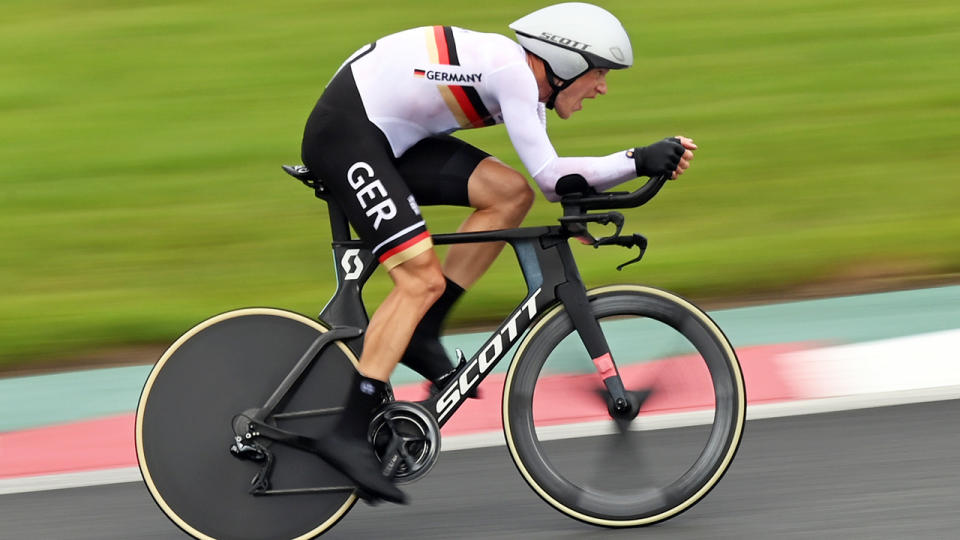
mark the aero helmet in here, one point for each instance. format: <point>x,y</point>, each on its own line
<point>573,38</point>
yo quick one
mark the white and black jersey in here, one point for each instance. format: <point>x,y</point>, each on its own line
<point>380,134</point>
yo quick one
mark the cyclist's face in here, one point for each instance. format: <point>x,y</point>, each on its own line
<point>570,99</point>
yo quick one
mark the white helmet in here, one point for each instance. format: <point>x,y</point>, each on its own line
<point>572,38</point>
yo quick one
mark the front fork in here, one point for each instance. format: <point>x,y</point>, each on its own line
<point>622,404</point>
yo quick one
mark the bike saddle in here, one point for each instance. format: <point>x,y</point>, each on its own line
<point>308,177</point>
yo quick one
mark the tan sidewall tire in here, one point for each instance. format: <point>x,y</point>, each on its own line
<point>145,395</point>
<point>739,420</point>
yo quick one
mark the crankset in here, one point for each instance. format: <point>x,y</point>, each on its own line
<point>406,439</point>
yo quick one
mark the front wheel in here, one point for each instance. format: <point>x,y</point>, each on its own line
<point>622,473</point>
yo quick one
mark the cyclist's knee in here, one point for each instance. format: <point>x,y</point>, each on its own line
<point>514,191</point>
<point>523,194</point>
<point>433,283</point>
<point>420,277</point>
<point>498,186</point>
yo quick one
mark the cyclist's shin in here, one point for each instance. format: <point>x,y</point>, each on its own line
<point>425,354</point>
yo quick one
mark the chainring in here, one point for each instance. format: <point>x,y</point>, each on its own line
<point>415,434</point>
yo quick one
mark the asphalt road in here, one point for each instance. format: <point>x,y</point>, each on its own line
<point>884,473</point>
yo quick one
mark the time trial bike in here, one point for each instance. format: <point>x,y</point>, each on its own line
<point>641,384</point>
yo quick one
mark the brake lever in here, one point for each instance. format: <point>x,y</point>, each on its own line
<point>603,219</point>
<point>576,226</point>
<point>641,242</point>
<point>635,239</point>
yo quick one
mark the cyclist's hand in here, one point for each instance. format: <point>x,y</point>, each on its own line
<point>686,158</point>
<point>669,157</point>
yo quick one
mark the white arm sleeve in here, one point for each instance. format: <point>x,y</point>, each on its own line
<point>516,90</point>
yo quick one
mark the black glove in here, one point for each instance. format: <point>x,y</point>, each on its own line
<point>659,159</point>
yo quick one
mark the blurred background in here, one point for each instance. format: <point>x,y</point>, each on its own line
<point>140,145</point>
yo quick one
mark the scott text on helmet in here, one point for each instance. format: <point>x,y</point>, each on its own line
<point>572,43</point>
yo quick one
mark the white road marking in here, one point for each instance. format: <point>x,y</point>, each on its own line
<point>908,363</point>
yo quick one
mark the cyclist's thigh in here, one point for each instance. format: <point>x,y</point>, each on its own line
<point>354,160</point>
<point>437,168</point>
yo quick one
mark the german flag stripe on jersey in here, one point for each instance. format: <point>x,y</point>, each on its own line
<point>463,101</point>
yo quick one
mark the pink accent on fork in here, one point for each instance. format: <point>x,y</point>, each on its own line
<point>605,366</point>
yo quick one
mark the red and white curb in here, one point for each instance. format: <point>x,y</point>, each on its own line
<point>782,380</point>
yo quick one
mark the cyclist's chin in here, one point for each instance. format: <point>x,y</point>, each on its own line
<point>566,111</point>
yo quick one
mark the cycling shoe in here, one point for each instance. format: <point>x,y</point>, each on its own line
<point>356,460</point>
<point>441,381</point>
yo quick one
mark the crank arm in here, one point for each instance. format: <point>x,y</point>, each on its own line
<point>392,455</point>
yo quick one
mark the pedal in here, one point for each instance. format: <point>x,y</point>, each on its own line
<point>435,388</point>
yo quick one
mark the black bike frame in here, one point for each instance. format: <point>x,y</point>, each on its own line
<point>550,273</point>
<point>551,276</point>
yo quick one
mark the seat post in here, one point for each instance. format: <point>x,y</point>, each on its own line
<point>339,226</point>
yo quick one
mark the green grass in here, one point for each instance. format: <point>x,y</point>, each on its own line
<point>140,144</point>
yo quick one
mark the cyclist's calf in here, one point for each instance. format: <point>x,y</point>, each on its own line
<point>418,283</point>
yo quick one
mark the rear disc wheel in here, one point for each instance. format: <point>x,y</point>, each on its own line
<point>224,366</point>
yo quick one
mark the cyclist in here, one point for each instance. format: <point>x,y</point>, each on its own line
<point>380,138</point>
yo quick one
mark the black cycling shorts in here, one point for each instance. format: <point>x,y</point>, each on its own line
<point>380,194</point>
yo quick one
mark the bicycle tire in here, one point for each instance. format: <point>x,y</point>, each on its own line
<point>225,365</point>
<point>537,456</point>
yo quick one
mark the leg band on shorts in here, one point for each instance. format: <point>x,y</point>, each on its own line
<point>404,251</point>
